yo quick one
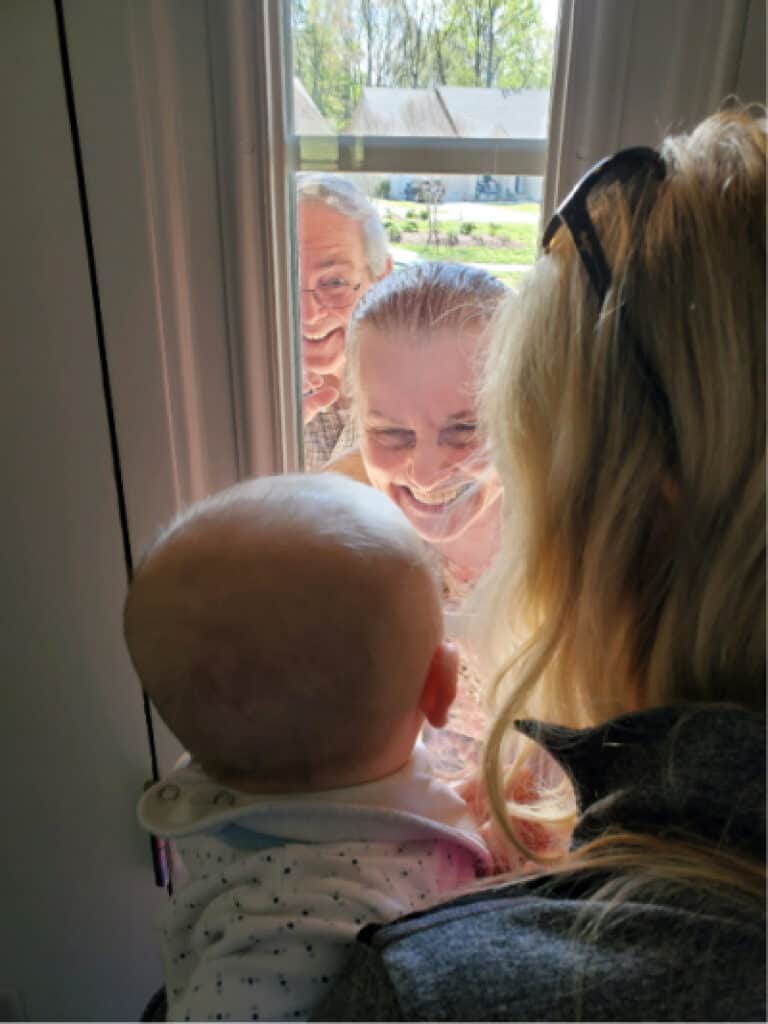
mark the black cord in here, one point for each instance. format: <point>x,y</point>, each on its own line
<point>158,851</point>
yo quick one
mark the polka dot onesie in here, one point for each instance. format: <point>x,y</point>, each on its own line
<point>277,887</point>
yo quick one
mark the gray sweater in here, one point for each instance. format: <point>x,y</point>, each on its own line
<point>521,952</point>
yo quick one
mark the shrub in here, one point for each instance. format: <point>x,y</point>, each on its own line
<point>395,235</point>
<point>423,214</point>
<point>383,190</point>
<point>410,225</point>
<point>452,238</point>
<point>467,228</point>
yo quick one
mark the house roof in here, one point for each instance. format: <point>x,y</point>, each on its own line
<point>400,112</point>
<point>307,118</point>
<point>497,113</point>
<point>456,111</point>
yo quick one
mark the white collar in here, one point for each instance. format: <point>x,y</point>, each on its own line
<point>410,803</point>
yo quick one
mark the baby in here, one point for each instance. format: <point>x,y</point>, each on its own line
<point>289,632</point>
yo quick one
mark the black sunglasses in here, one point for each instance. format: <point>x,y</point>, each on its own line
<point>572,212</point>
<point>638,164</point>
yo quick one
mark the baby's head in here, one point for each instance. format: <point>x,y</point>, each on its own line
<point>289,632</point>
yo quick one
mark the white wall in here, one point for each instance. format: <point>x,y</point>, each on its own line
<point>76,887</point>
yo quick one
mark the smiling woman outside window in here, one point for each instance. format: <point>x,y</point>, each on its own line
<point>422,130</point>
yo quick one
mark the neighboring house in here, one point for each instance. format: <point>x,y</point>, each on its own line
<point>307,118</point>
<point>415,113</point>
<point>460,112</point>
<point>496,113</point>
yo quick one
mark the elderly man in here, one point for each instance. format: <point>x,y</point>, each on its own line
<point>343,249</point>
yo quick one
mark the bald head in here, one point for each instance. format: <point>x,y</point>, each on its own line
<point>285,630</point>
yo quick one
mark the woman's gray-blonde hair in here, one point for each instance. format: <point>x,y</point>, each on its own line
<point>633,564</point>
<point>344,197</point>
<point>421,300</point>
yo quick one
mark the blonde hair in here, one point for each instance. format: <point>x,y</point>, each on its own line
<point>421,300</point>
<point>632,568</point>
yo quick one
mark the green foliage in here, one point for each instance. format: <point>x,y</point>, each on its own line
<point>395,235</point>
<point>423,214</point>
<point>327,56</point>
<point>493,229</point>
<point>521,248</point>
<point>410,225</point>
<point>383,189</point>
<point>467,228</point>
<point>342,45</point>
<point>492,43</point>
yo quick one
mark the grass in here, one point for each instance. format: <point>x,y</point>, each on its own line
<point>402,207</point>
<point>509,243</point>
<point>473,253</point>
<point>517,207</point>
<point>506,242</point>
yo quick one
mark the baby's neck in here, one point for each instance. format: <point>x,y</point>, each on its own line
<point>318,780</point>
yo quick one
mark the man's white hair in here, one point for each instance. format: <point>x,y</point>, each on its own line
<point>343,196</point>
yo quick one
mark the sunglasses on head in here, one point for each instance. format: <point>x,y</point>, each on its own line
<point>638,165</point>
<point>572,212</point>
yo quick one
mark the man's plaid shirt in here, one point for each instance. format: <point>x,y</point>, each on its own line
<point>328,435</point>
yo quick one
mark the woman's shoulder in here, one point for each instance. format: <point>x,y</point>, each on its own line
<point>350,464</point>
<point>523,952</point>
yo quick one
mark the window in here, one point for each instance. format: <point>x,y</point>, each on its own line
<point>183,112</point>
<point>419,135</point>
<point>436,112</point>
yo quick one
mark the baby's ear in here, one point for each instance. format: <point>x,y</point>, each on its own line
<point>440,685</point>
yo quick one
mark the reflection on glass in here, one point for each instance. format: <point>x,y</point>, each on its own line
<point>388,362</point>
<point>342,249</point>
<point>354,230</point>
<point>414,346</point>
<point>395,297</point>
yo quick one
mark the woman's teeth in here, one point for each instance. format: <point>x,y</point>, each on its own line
<point>441,497</point>
<point>314,338</point>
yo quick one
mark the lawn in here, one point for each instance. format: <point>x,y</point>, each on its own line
<point>403,208</point>
<point>530,208</point>
<point>484,243</point>
<point>469,253</point>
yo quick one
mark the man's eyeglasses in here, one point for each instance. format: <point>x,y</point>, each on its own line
<point>334,294</point>
<point>622,167</point>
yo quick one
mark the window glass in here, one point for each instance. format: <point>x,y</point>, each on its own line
<point>448,68</point>
<point>483,219</point>
<point>390,342</point>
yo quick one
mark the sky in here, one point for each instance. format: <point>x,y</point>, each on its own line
<point>549,9</point>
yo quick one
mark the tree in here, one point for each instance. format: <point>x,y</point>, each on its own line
<point>327,55</point>
<point>341,45</point>
<point>501,43</point>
